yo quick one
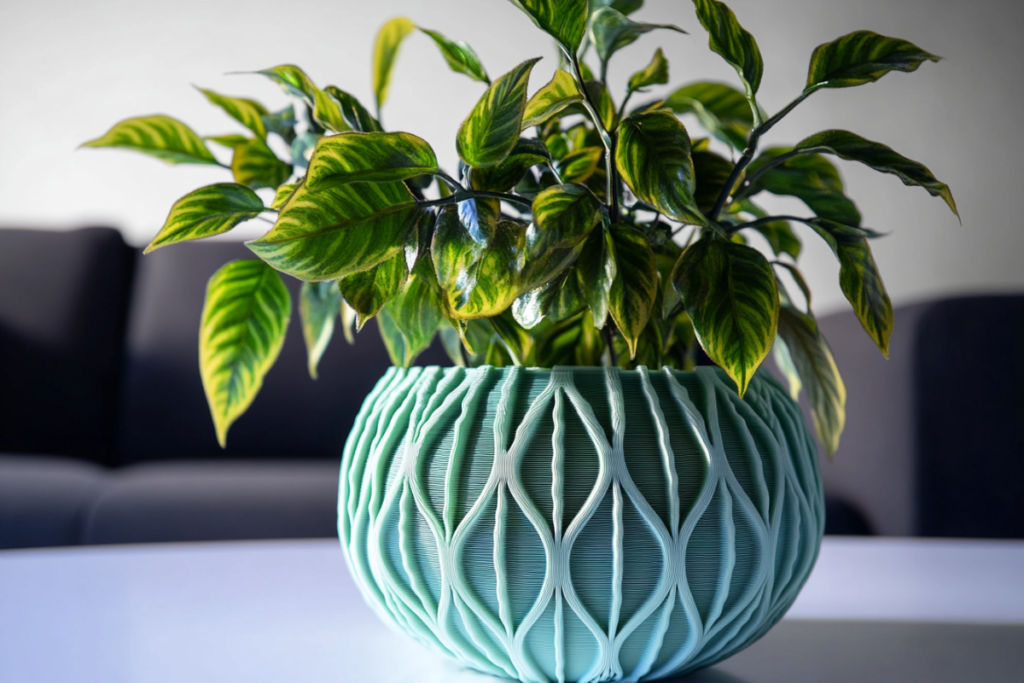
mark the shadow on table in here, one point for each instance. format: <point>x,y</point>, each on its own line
<point>711,675</point>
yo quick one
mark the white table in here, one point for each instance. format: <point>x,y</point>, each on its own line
<point>287,611</point>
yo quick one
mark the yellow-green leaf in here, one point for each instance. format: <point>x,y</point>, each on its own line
<point>330,233</point>
<point>556,95</point>
<point>319,307</point>
<point>596,270</point>
<point>244,320</point>
<point>563,217</point>
<point>385,51</point>
<point>862,57</point>
<point>355,114</point>
<point>293,81</point>
<point>734,43</point>
<point>369,157</point>
<point>249,113</point>
<point>210,210</point>
<point>369,290</point>
<point>730,294</point>
<point>635,288</point>
<point>722,110</point>
<point>563,20</point>
<point>816,371</point>
<point>579,166</point>
<point>415,312</point>
<point>229,141</point>
<point>653,158</point>
<point>460,56</point>
<point>811,178</point>
<point>527,153</point>
<point>283,194</point>
<point>655,73</point>
<point>611,30</point>
<point>255,165</point>
<point>492,129</point>
<point>159,136</point>
<point>852,147</point>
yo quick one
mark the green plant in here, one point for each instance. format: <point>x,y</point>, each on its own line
<point>576,231</point>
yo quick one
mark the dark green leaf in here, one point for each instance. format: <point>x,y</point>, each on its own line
<point>721,109</point>
<point>653,157</point>
<point>862,284</point>
<point>557,300</point>
<point>517,341</point>
<point>385,51</point>
<point>733,42</point>
<point>369,157</point>
<point>460,56</point>
<point>417,243</point>
<point>247,112</point>
<point>635,288</point>
<point>563,20</point>
<point>416,311</point>
<point>355,114</point>
<point>319,307</point>
<point>159,136</point>
<point>811,178</point>
<point>302,149</point>
<point>282,123</point>
<point>605,104</point>
<point>328,234</point>
<point>563,217</point>
<point>210,210</point>
<point>528,152</point>
<point>556,95</point>
<point>817,372</point>
<point>255,165</point>
<point>852,147</point>
<point>779,234</point>
<point>624,6</point>
<point>730,295</point>
<point>596,270</point>
<point>242,330</point>
<point>492,129</point>
<point>862,57</point>
<point>655,73</point>
<point>369,290</point>
<point>712,173</point>
<point>611,30</point>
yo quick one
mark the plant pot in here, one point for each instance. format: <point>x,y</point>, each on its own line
<point>580,524</point>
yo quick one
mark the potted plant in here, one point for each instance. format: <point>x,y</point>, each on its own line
<point>573,500</point>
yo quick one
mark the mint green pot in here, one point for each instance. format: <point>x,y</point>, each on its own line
<point>580,524</point>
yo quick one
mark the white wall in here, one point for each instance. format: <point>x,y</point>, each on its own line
<point>68,70</point>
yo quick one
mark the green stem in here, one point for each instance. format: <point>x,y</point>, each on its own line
<point>622,109</point>
<point>612,188</point>
<point>464,195</point>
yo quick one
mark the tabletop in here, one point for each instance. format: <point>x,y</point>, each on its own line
<point>875,610</point>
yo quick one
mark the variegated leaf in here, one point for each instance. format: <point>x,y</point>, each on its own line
<point>369,290</point>
<point>210,210</point>
<point>255,165</point>
<point>862,57</point>
<point>369,157</point>
<point>733,42</point>
<point>563,20</point>
<point>159,136</point>
<point>553,97</point>
<point>492,129</point>
<point>319,308</point>
<point>631,300</point>
<point>655,73</point>
<point>611,30</point>
<point>385,51</point>
<point>249,113</point>
<point>460,56</point>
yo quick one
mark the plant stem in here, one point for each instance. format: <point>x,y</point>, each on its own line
<point>463,195</point>
<point>612,188</point>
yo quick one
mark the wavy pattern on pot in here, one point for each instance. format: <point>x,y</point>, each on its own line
<point>580,524</point>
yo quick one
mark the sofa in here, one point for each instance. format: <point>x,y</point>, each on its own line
<point>105,436</point>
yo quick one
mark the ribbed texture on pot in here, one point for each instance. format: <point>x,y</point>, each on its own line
<point>580,524</point>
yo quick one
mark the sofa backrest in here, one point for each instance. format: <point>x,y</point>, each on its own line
<point>163,409</point>
<point>63,299</point>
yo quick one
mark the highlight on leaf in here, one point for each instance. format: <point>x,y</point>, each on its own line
<point>208,211</point>
<point>160,136</point>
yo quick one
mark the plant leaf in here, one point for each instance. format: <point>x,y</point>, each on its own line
<point>369,157</point>
<point>337,231</point>
<point>734,43</point>
<point>624,6</point>
<point>721,109</point>
<point>348,322</point>
<point>605,104</point>
<point>712,173</point>
<point>159,136</point>
<point>210,210</point>
<point>852,147</point>
<point>635,288</point>
<point>730,294</point>
<point>596,270</point>
<point>563,217</point>
<point>563,20</point>
<point>319,307</point>
<point>556,95</point>
<point>385,51</point>
<point>229,141</point>
<point>492,129</point>
<point>416,311</point>
<point>579,166</point>
<point>817,372</point>
<point>655,73</point>
<point>811,178</point>
<point>249,113</point>
<point>611,30</point>
<point>862,57</point>
<point>779,234</point>
<point>355,114</point>
<point>653,157</point>
<point>282,123</point>
<point>460,56</point>
<point>862,284</point>
<point>244,320</point>
<point>369,290</point>
<point>327,112</point>
<point>293,81</point>
<point>255,165</point>
<point>283,194</point>
<point>527,153</point>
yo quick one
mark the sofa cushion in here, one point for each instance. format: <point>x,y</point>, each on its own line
<point>43,499</point>
<point>215,501</point>
<point>164,413</point>
<point>969,384</point>
<point>62,311</point>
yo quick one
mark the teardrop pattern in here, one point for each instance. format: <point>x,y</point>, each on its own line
<point>580,524</point>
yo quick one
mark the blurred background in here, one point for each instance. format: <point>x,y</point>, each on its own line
<point>70,70</point>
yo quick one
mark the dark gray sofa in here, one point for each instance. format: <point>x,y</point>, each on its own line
<point>105,435</point>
